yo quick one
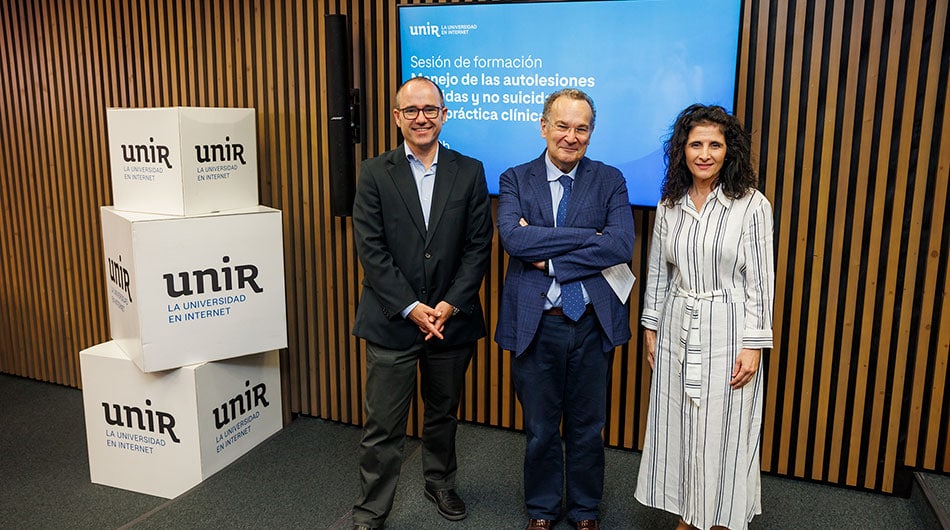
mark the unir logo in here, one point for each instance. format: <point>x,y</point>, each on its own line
<point>225,152</point>
<point>218,280</point>
<point>143,419</point>
<point>150,153</point>
<point>119,275</point>
<point>426,29</point>
<point>240,404</point>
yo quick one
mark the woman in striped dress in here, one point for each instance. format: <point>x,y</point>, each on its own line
<point>708,315</point>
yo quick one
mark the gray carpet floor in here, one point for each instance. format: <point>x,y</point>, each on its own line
<point>305,476</point>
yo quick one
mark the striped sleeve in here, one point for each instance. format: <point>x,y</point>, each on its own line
<point>759,275</point>
<point>658,274</point>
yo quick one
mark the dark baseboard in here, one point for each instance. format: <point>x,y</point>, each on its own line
<point>928,507</point>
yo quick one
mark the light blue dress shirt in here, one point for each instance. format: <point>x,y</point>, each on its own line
<point>557,191</point>
<point>425,183</point>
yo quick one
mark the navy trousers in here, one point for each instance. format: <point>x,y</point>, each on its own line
<point>563,375</point>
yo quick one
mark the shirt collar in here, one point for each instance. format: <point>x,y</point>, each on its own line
<point>554,173</point>
<point>410,156</point>
<point>716,194</point>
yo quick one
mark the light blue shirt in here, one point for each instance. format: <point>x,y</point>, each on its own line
<point>557,191</point>
<point>425,183</point>
<point>425,180</point>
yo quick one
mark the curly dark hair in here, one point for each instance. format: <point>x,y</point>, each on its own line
<point>737,176</point>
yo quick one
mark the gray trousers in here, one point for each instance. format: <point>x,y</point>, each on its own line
<point>390,387</point>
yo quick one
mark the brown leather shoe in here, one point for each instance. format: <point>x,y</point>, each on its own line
<point>539,524</point>
<point>588,524</point>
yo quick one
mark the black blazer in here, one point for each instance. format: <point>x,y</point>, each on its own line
<point>403,262</point>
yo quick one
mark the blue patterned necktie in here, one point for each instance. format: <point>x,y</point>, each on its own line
<point>572,296</point>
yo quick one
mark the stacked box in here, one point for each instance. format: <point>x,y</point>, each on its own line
<point>162,433</point>
<point>195,283</point>
<point>184,290</point>
<point>183,161</point>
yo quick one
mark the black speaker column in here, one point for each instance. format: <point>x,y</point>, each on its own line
<point>343,111</point>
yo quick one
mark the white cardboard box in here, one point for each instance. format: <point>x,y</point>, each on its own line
<point>162,433</point>
<point>183,160</point>
<point>185,290</point>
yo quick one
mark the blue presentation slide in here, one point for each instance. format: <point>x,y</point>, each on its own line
<point>641,61</point>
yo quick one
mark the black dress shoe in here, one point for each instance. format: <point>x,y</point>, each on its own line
<point>448,502</point>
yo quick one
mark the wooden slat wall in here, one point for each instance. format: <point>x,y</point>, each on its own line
<point>847,102</point>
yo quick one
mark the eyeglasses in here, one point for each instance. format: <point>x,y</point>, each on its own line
<point>411,113</point>
<point>582,130</point>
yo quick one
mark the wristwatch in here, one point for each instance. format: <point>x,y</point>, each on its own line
<point>455,311</point>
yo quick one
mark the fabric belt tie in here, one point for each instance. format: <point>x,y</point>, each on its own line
<point>690,353</point>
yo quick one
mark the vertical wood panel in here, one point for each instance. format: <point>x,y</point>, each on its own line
<point>11,341</point>
<point>929,254</point>
<point>795,204</point>
<point>871,344</point>
<point>767,75</point>
<point>905,234</point>
<point>927,410</point>
<point>835,337</point>
<point>889,303</point>
<point>847,103</point>
<point>806,259</point>
<point>824,278</point>
<point>862,280</point>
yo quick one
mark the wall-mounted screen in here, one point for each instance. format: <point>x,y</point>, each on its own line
<point>642,62</point>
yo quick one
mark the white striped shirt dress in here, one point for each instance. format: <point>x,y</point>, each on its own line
<point>709,294</point>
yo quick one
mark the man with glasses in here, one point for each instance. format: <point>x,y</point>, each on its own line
<point>563,218</point>
<point>423,233</point>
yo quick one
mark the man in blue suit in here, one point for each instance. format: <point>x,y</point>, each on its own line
<point>563,219</point>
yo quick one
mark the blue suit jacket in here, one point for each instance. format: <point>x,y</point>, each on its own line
<point>598,233</point>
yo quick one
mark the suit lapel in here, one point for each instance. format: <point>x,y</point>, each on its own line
<point>580,190</point>
<point>446,173</point>
<point>405,185</point>
<point>541,189</point>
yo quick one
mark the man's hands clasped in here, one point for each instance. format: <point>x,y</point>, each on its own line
<point>431,320</point>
